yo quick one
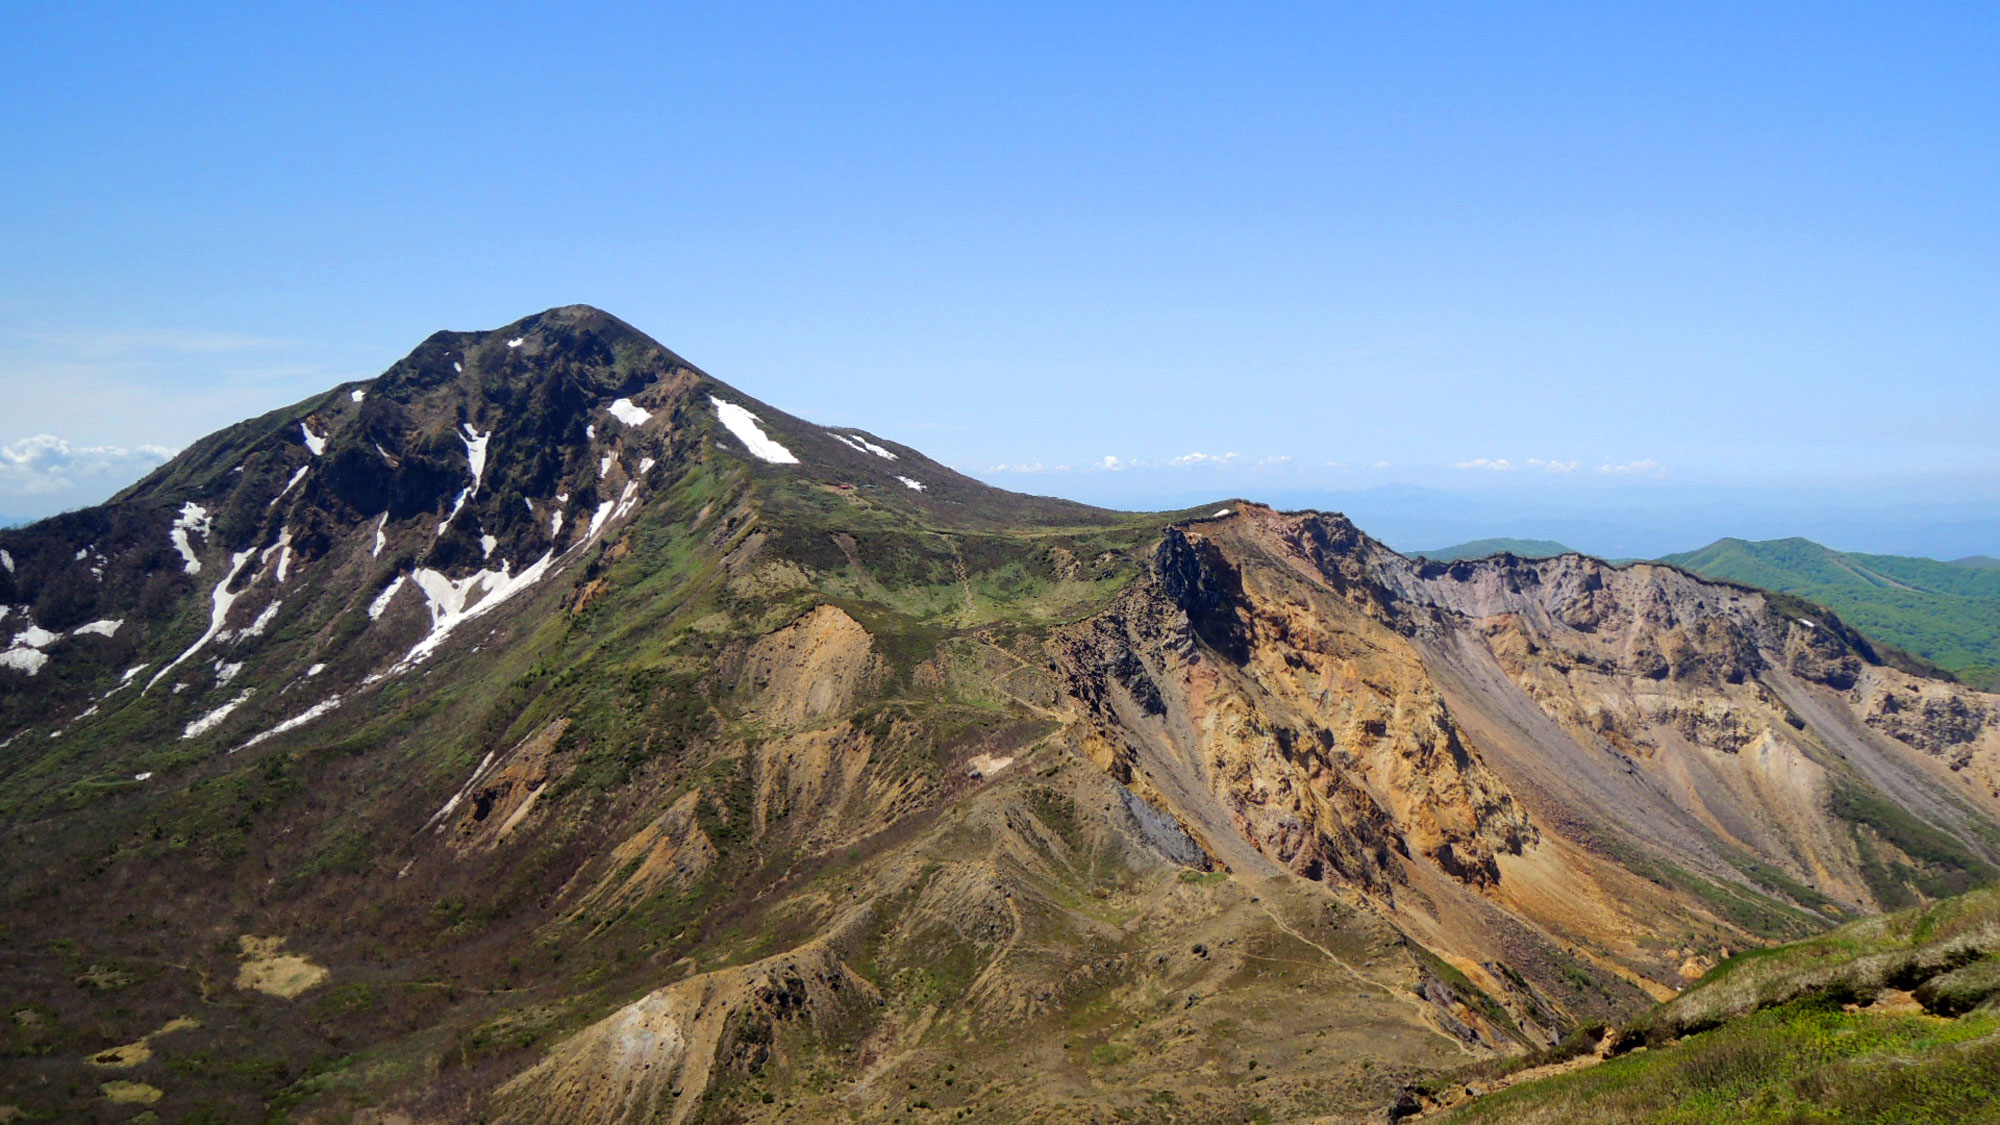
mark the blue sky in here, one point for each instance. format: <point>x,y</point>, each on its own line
<point>1705,270</point>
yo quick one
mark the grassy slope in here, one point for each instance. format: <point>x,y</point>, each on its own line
<point>1781,1035</point>
<point>1481,548</point>
<point>1946,612</point>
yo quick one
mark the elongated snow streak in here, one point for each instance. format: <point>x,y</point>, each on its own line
<point>314,442</point>
<point>256,628</point>
<point>295,722</point>
<point>214,718</point>
<point>452,604</point>
<point>455,506</point>
<point>289,485</point>
<point>646,465</point>
<point>475,452</point>
<point>915,484</point>
<point>444,812</point>
<point>315,669</point>
<point>193,517</point>
<point>597,519</point>
<point>283,549</point>
<point>381,602</point>
<point>517,341</point>
<point>7,561</point>
<point>862,445</point>
<point>604,467</point>
<point>98,629</point>
<point>750,432</point>
<point>220,600</point>
<point>631,415</point>
<point>627,500</point>
<point>555,524</point>
<point>380,539</point>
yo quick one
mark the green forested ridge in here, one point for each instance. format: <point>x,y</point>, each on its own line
<point>1481,548</point>
<point>1947,612</point>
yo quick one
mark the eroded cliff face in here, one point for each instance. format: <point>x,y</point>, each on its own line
<point>1630,763</point>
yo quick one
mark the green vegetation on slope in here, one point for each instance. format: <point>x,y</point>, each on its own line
<point>1821,1030</point>
<point>1945,612</point>
<point>1482,548</point>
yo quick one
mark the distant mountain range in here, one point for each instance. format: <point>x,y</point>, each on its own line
<point>1486,548</point>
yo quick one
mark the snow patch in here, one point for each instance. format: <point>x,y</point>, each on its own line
<point>381,602</point>
<point>380,539</point>
<point>555,524</point>
<point>289,485</point>
<point>460,795</point>
<point>214,718</point>
<point>862,445</point>
<point>458,367</point>
<point>34,636</point>
<point>256,628</point>
<point>295,722</point>
<point>597,519</point>
<point>455,506</point>
<point>315,669</point>
<point>26,660</point>
<point>486,545</point>
<point>146,776</point>
<point>913,484</point>
<point>126,676</point>
<point>475,452</point>
<point>193,517</point>
<point>517,341</point>
<point>314,442</point>
<point>227,672</point>
<point>7,561</point>
<point>623,410</point>
<point>98,629</point>
<point>452,602</point>
<point>750,432</point>
<point>1219,513</point>
<point>357,394</point>
<point>604,467</point>
<point>590,431</point>
<point>646,465</point>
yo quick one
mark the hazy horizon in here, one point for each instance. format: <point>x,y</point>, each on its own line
<point>1653,278</point>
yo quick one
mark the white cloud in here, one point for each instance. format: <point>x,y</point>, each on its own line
<point>1643,468</point>
<point>1381,464</point>
<point>1214,459</point>
<point>1279,459</point>
<point>1552,466</point>
<point>1501,465</point>
<point>1110,464</point>
<point>1033,467</point>
<point>45,464</point>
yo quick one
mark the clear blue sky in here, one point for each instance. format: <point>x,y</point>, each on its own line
<point>1732,249</point>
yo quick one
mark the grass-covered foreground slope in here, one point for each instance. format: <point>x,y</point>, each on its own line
<point>1946,612</point>
<point>1893,1019</point>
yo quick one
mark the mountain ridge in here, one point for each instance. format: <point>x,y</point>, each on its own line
<point>528,704</point>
